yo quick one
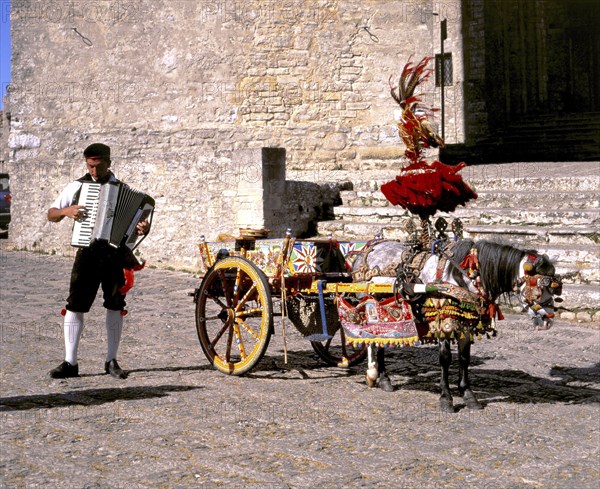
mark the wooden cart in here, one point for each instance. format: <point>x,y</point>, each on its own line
<point>248,282</point>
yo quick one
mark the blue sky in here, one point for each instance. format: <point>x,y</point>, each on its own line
<point>4,47</point>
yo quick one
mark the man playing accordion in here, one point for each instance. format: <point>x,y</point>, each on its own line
<point>95,265</point>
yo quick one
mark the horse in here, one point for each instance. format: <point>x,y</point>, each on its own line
<point>453,293</point>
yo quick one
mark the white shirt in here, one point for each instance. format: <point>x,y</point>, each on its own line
<point>67,197</point>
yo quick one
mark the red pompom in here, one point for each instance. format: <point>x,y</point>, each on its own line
<point>63,312</point>
<point>424,189</point>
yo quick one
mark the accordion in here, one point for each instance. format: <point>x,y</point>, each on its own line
<point>112,213</point>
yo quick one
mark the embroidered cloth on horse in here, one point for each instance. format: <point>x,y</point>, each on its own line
<point>445,311</point>
<point>384,322</point>
<point>382,263</point>
<point>455,313</point>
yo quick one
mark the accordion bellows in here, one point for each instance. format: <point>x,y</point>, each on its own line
<point>113,211</point>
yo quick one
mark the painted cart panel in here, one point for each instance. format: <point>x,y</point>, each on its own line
<point>304,257</point>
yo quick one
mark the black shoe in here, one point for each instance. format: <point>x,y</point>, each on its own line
<point>385,383</point>
<point>64,370</point>
<point>113,369</point>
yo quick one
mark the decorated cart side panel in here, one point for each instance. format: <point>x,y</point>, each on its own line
<point>312,258</point>
<point>265,253</point>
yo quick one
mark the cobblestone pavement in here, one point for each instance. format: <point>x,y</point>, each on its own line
<point>176,422</point>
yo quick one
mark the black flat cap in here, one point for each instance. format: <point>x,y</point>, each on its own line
<point>97,150</point>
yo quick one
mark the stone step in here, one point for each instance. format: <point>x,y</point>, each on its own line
<point>579,302</point>
<point>525,183</point>
<point>577,264</point>
<point>527,236</point>
<point>577,297</point>
<point>576,199</point>
<point>545,183</point>
<point>533,236</point>
<point>490,198</point>
<point>524,176</point>
<point>475,216</point>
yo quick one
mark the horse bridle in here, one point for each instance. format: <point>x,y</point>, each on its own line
<point>530,289</point>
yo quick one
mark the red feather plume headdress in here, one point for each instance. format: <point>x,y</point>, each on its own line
<point>422,188</point>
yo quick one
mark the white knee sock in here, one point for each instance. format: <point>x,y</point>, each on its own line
<point>114,328</point>
<point>73,326</point>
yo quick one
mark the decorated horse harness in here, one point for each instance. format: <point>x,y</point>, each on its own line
<point>454,311</point>
<point>535,291</point>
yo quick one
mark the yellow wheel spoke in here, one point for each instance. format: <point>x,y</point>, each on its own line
<point>249,329</point>
<point>236,287</point>
<point>238,335</point>
<point>244,299</point>
<point>254,312</point>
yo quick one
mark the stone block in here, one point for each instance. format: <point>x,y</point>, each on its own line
<point>583,316</point>
<point>381,152</point>
<point>568,315</point>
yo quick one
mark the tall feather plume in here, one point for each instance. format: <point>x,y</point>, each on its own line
<point>415,130</point>
<point>410,78</point>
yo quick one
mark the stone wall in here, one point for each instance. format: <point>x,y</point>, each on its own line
<point>177,88</point>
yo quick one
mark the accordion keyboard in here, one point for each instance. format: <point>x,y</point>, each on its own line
<point>82,229</point>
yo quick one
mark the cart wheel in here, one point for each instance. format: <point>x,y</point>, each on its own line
<point>234,315</point>
<point>336,352</point>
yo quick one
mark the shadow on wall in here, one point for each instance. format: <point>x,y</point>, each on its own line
<point>307,203</point>
<point>270,201</point>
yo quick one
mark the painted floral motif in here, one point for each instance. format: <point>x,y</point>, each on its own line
<point>306,258</point>
<point>351,247</point>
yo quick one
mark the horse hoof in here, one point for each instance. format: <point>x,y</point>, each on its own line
<point>473,404</point>
<point>385,383</point>
<point>370,380</point>
<point>446,405</point>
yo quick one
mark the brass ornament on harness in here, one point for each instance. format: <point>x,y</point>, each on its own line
<point>452,313</point>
